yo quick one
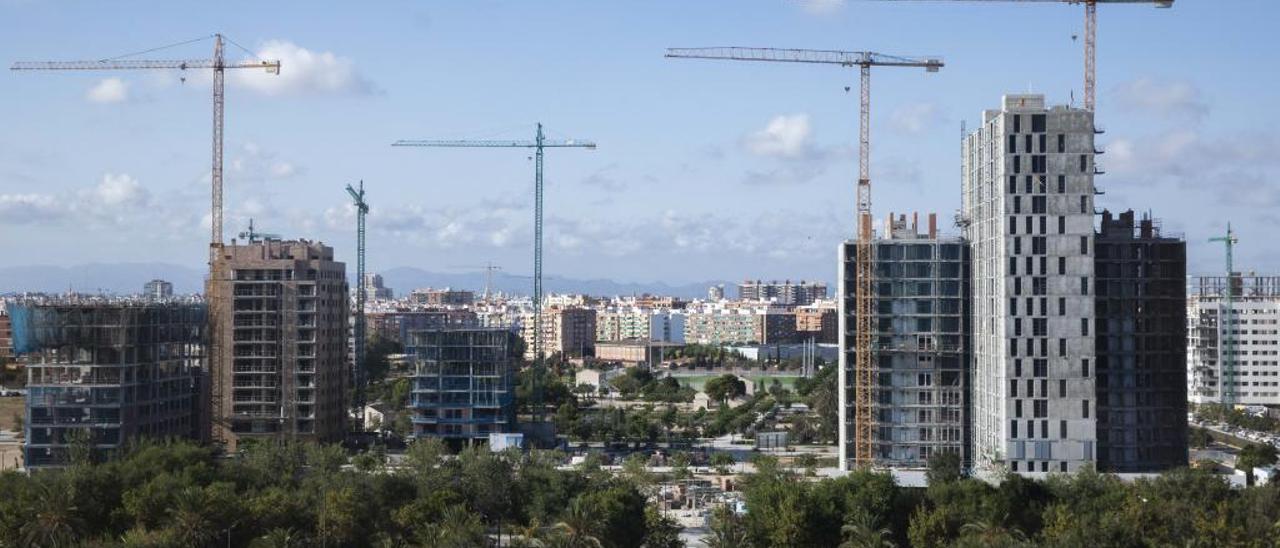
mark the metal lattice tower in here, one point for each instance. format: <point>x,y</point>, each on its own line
<point>1226,352</point>
<point>539,143</point>
<point>362,208</point>
<point>864,367</point>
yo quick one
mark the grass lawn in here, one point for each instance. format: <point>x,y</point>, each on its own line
<point>9,406</point>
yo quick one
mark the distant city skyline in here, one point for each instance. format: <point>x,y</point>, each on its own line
<point>705,171</point>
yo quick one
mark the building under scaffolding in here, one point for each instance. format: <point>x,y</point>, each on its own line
<point>105,373</point>
<point>920,343</point>
<point>464,382</point>
<point>1237,363</point>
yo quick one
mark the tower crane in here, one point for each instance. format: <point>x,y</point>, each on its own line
<point>538,143</point>
<point>489,269</point>
<point>362,208</point>
<point>252,235</point>
<point>864,364</point>
<point>1090,36</point>
<point>1226,353</point>
<point>218,64</point>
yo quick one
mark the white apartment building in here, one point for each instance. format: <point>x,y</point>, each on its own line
<point>1236,362</point>
<point>1028,214</point>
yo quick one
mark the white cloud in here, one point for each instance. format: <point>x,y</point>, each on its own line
<point>251,163</point>
<point>30,208</point>
<point>785,136</point>
<point>917,118</point>
<point>118,190</point>
<point>1164,98</point>
<point>109,90</point>
<point>303,71</point>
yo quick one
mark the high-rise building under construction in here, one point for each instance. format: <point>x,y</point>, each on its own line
<point>278,320</point>
<point>1028,214</point>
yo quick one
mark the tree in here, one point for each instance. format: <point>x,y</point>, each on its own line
<point>725,387</point>
<point>722,461</point>
<point>660,530</point>
<point>55,522</point>
<point>727,529</point>
<point>861,531</point>
<point>944,467</point>
<point>579,525</point>
<point>1199,437</point>
<point>1252,456</point>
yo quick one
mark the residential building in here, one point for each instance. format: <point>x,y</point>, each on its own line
<point>622,324</point>
<point>1233,351</point>
<point>775,327</point>
<point>463,388</point>
<point>818,324</point>
<point>6,340</point>
<point>721,326</point>
<point>1028,214</point>
<point>715,293</point>
<point>569,331</point>
<point>374,290</point>
<point>442,297</point>
<point>1140,341</point>
<point>109,372</point>
<point>667,325</point>
<point>784,293</point>
<point>920,347</point>
<point>278,321</point>
<point>157,290</point>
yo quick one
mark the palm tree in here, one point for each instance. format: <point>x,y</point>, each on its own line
<point>861,532</point>
<point>458,528</point>
<point>577,527</point>
<point>280,537</point>
<point>55,524</point>
<point>529,536</point>
<point>190,517</point>
<point>727,530</point>
<point>993,532</point>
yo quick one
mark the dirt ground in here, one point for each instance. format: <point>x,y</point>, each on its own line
<point>9,406</point>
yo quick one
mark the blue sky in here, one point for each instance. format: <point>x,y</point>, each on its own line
<point>705,170</point>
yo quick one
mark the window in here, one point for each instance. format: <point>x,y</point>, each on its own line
<point>1013,347</point>
<point>1013,307</point>
<point>1013,144</point>
<point>1038,204</point>
<point>1084,285</point>
<point>1017,204</point>
<point>1038,163</point>
<point>1017,123</point>
<point>1062,143</point>
<point>1013,266</point>
<point>1039,285</point>
<point>1013,433</point>
<point>1084,204</point>
<point>1062,433</point>
<point>1043,270</point>
<point>1084,408</point>
<point>1030,189</point>
<point>1017,368</point>
<point>1062,266</point>
<point>1062,347</point>
<point>1062,224</point>
<point>1013,184</point>
<point>1062,184</point>
<point>1038,123</point>
<point>1062,388</point>
<point>1084,327</point>
<point>1017,408</point>
<point>1040,327</point>
<point>1038,245</point>
<point>1031,429</point>
<point>1084,245</point>
<point>1029,227</point>
<point>1028,141</point>
<point>1017,164</point>
<point>1040,368</point>
<point>1013,388</point>
<point>1042,142</point>
<point>1084,162</point>
<point>1017,246</point>
<point>1062,306</point>
<point>1040,408</point>
<point>1062,466</point>
<point>1084,367</point>
<point>1013,225</point>
<point>1042,224</point>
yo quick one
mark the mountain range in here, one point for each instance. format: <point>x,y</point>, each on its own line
<point>127,278</point>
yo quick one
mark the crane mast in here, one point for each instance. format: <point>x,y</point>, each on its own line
<point>864,358</point>
<point>1226,352</point>
<point>362,208</point>
<point>539,144</point>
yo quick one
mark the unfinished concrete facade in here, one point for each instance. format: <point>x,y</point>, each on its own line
<point>464,382</point>
<point>278,323</point>
<point>107,373</point>
<point>1235,361</point>
<point>1140,339</point>
<point>921,340</point>
<point>1028,214</point>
